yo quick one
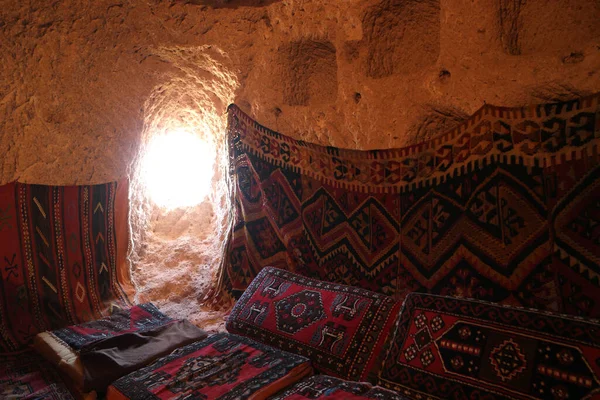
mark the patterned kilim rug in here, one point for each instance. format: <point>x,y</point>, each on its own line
<point>94,354</point>
<point>27,376</point>
<point>221,367</point>
<point>62,257</point>
<point>341,329</point>
<point>448,348</point>
<point>502,208</point>
<point>138,318</point>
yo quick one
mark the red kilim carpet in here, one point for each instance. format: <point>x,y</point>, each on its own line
<point>221,367</point>
<point>448,348</point>
<point>62,257</point>
<point>27,376</point>
<point>502,208</point>
<point>341,329</point>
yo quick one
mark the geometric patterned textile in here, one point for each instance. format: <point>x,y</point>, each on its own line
<point>27,376</point>
<point>62,257</point>
<point>341,329</point>
<point>138,318</point>
<point>449,348</point>
<point>103,356</point>
<point>327,387</point>
<point>502,208</point>
<point>222,366</point>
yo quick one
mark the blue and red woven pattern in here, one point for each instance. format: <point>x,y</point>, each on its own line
<point>139,318</point>
<point>448,348</point>
<point>223,367</point>
<point>342,329</point>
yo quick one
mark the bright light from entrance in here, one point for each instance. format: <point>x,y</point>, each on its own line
<point>178,169</point>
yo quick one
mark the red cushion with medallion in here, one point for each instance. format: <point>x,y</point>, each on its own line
<point>342,329</point>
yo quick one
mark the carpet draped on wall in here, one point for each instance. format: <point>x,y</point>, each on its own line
<point>504,208</point>
<point>62,257</point>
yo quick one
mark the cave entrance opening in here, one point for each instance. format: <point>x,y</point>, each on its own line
<point>178,168</point>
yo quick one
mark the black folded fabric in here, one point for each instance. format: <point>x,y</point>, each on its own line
<point>109,359</point>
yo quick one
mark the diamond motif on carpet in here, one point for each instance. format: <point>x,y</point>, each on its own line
<point>502,206</point>
<point>489,351</point>
<point>299,311</point>
<point>508,360</point>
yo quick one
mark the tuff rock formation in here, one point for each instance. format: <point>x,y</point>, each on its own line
<point>85,85</point>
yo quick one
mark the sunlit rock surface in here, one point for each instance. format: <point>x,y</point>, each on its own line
<point>85,85</point>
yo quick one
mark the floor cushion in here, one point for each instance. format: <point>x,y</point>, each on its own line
<point>28,376</point>
<point>94,354</point>
<point>223,366</point>
<point>464,349</point>
<point>328,387</point>
<point>342,329</point>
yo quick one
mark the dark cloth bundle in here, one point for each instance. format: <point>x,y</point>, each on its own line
<point>94,354</point>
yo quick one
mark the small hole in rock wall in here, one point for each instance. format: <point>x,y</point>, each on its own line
<point>444,75</point>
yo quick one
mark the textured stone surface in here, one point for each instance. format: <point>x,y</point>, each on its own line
<point>84,85</point>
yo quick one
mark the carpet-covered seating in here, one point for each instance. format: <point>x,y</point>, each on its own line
<point>440,346</point>
<point>90,356</point>
<point>455,348</point>
<point>223,366</point>
<point>433,347</point>
<point>342,329</point>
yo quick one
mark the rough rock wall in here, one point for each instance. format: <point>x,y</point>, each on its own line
<point>83,86</point>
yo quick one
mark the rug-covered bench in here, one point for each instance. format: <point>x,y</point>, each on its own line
<point>361,345</point>
<point>434,347</point>
<point>224,366</point>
